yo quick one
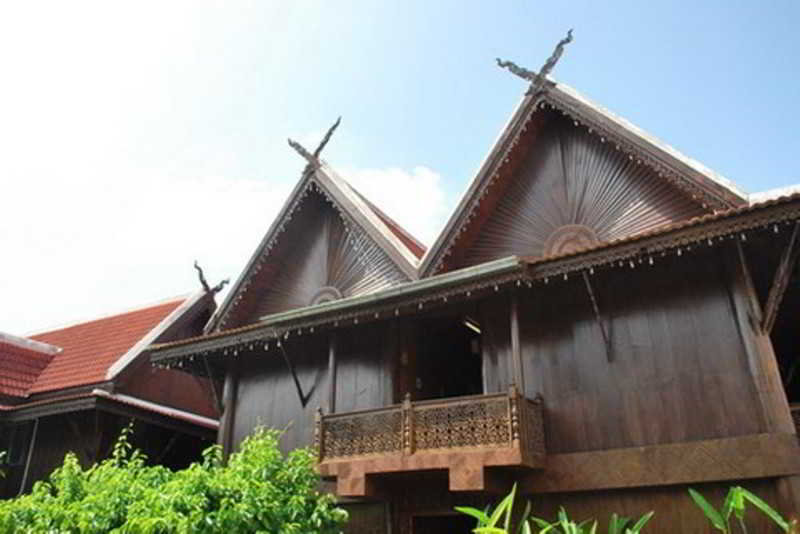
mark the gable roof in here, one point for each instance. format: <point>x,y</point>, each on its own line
<point>21,362</point>
<point>403,250</point>
<point>713,229</point>
<point>95,351</point>
<point>708,188</point>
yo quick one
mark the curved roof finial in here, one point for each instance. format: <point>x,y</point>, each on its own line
<point>537,79</point>
<point>313,159</point>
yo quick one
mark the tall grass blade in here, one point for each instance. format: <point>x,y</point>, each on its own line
<point>767,509</point>
<point>710,512</point>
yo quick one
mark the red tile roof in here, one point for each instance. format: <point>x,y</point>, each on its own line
<point>19,367</point>
<point>90,348</point>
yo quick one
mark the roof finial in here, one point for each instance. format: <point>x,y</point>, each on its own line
<point>538,79</point>
<point>309,157</point>
<point>313,159</point>
<point>327,137</point>
<point>213,290</point>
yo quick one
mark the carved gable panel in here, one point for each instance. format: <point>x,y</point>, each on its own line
<point>320,257</point>
<point>573,190</point>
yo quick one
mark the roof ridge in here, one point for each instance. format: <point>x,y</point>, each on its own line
<point>383,215</point>
<point>29,344</point>
<point>395,240</point>
<point>697,165</point>
<point>134,309</point>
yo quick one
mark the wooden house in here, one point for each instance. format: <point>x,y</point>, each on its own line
<point>75,387</point>
<point>603,320</point>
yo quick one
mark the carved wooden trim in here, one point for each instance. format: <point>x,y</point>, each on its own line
<point>680,238</point>
<point>744,457</point>
<point>463,435</point>
<point>644,250</point>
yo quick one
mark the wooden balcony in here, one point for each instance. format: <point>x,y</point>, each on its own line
<point>466,436</point>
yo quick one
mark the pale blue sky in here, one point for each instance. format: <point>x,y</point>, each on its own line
<point>139,136</point>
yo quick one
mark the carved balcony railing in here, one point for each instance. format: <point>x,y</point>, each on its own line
<point>502,429</point>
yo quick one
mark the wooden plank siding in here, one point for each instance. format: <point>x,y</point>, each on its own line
<point>678,373</point>
<point>267,394</point>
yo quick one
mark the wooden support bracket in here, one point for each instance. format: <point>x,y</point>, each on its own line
<point>781,281</point>
<point>598,317</point>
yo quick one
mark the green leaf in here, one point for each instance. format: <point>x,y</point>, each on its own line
<point>616,524</point>
<point>510,498</point>
<point>709,511</point>
<point>639,525</point>
<point>727,506</point>
<point>481,516</point>
<point>767,509</point>
<point>540,522</point>
<point>523,520</point>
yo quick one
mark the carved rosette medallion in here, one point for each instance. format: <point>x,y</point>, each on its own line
<point>326,294</point>
<point>569,238</point>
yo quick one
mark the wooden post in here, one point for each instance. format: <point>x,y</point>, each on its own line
<point>777,417</point>
<point>318,434</point>
<point>407,421</point>
<point>513,415</point>
<point>516,354</point>
<point>332,373</point>
<point>229,394</point>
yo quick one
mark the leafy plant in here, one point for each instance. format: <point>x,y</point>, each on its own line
<point>488,523</point>
<point>259,490</point>
<point>735,505</point>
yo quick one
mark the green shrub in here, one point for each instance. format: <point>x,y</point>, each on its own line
<point>257,491</point>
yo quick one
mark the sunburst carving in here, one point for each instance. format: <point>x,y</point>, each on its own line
<point>573,191</point>
<point>569,238</point>
<point>325,259</point>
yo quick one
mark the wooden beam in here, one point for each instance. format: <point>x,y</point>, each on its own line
<point>781,281</point>
<point>739,458</point>
<point>516,353</point>
<point>598,318</point>
<point>332,373</point>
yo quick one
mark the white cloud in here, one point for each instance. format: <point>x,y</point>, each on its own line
<point>131,148</point>
<point>74,249</point>
<point>416,199</point>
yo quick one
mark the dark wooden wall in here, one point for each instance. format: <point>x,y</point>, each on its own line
<point>366,358</point>
<point>268,396</point>
<point>496,344</point>
<point>678,369</point>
